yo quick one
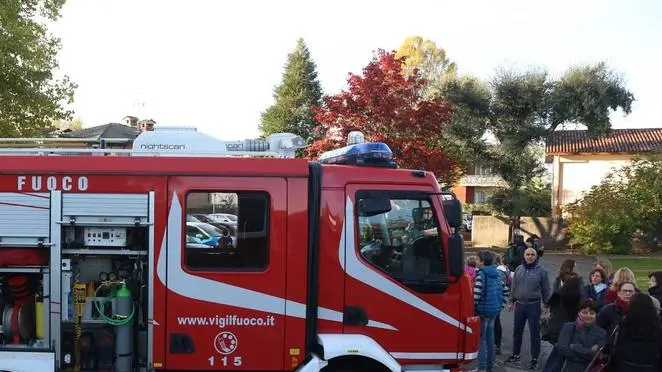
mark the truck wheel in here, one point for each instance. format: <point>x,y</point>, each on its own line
<point>354,364</point>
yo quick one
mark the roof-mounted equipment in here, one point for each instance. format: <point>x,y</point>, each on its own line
<point>187,141</point>
<point>162,141</point>
<point>360,153</point>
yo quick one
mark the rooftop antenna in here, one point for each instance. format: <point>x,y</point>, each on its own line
<point>139,105</point>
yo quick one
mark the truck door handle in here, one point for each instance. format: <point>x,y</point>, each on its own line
<point>355,315</point>
<point>181,343</point>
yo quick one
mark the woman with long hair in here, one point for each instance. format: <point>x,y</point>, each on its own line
<point>636,344</point>
<point>563,307</point>
<point>655,285</point>
<point>606,266</point>
<point>566,270</point>
<point>622,275</point>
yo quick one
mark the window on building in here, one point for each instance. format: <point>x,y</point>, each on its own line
<point>482,170</point>
<point>227,230</point>
<point>403,242</point>
<point>483,194</point>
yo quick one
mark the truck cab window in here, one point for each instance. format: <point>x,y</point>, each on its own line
<point>227,230</point>
<point>403,242</point>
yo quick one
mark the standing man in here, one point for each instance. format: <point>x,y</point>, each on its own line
<point>530,292</point>
<point>490,295</point>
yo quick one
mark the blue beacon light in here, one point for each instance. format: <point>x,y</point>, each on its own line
<point>359,153</point>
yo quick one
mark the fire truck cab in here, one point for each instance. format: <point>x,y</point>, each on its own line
<point>347,263</point>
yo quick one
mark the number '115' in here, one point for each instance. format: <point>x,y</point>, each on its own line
<point>236,361</point>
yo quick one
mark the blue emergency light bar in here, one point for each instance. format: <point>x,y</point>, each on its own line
<point>374,154</point>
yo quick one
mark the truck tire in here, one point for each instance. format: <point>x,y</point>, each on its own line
<point>354,364</point>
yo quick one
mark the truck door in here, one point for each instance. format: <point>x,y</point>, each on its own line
<point>225,297</point>
<point>396,286</point>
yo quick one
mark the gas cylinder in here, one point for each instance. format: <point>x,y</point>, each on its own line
<point>124,336</point>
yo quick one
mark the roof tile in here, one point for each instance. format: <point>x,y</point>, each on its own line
<point>628,141</point>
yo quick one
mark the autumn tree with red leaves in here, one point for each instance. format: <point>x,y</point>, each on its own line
<point>386,107</point>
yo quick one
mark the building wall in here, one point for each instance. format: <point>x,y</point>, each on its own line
<point>474,194</point>
<point>575,175</point>
<point>478,185</point>
<point>464,194</point>
<point>491,231</point>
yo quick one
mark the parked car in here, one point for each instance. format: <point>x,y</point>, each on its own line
<point>192,218</point>
<point>230,226</point>
<point>467,220</point>
<point>223,217</point>
<point>207,234</point>
<point>192,243</point>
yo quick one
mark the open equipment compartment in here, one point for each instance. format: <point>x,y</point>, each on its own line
<point>25,244</point>
<point>106,240</point>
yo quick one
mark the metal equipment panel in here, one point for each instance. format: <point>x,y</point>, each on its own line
<point>24,216</point>
<point>111,205</point>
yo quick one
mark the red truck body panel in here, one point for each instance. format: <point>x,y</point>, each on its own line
<point>263,312</point>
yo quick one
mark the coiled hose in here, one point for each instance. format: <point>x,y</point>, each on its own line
<point>117,320</point>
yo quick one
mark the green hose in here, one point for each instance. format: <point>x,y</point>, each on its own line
<point>112,321</point>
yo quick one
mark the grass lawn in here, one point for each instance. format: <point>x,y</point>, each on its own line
<point>640,266</point>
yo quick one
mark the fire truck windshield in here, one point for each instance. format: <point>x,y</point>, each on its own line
<point>404,241</point>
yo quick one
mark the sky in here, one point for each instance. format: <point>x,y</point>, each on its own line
<point>213,64</point>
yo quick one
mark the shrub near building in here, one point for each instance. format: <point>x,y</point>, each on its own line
<point>625,207</point>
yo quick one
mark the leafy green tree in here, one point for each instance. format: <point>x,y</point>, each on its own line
<point>532,199</point>
<point>429,60</point>
<point>294,98</point>
<point>627,204</point>
<point>30,97</point>
<point>521,110</point>
<point>526,108</point>
<point>462,139</point>
<point>74,124</point>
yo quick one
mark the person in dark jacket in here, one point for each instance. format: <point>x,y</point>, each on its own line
<point>515,252</point>
<point>530,292</point>
<point>490,296</point>
<point>636,344</point>
<point>596,289</point>
<point>563,307</point>
<point>581,339</point>
<point>655,285</point>
<point>611,314</point>
<point>566,271</point>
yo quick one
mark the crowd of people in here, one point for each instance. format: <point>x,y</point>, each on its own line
<point>584,319</point>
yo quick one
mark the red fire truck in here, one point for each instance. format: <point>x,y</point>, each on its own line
<point>185,252</point>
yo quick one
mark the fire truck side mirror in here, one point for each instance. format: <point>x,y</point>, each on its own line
<point>373,206</point>
<point>456,255</point>
<point>453,212</point>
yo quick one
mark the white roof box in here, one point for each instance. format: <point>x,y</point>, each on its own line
<point>187,141</point>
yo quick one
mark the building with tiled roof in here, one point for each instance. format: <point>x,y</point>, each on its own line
<point>580,161</point>
<point>618,141</point>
